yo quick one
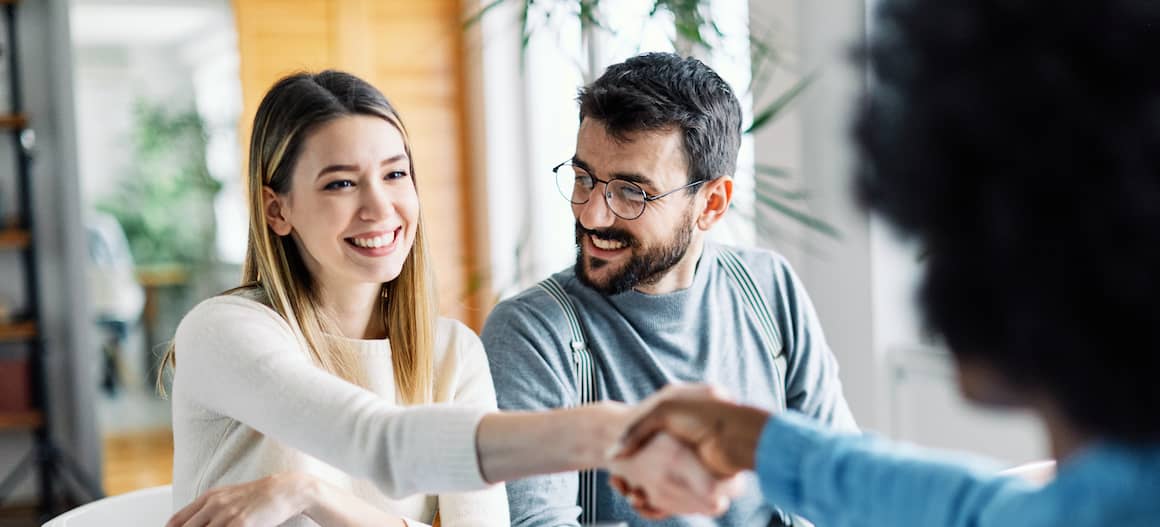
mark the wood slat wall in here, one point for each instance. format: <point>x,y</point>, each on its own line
<point>412,51</point>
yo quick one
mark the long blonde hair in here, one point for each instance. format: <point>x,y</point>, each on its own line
<point>292,108</point>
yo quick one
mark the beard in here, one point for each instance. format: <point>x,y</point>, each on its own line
<point>645,266</point>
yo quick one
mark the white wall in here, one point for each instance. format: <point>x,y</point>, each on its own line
<point>896,380</point>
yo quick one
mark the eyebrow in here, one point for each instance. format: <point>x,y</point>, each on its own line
<point>633,177</point>
<point>354,168</point>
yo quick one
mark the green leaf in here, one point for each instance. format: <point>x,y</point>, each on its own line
<point>474,19</point>
<point>765,116</point>
<point>804,218</point>
<point>770,171</point>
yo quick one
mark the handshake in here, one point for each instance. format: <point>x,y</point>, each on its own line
<point>682,451</point>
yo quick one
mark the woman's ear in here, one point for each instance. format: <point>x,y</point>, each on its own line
<point>718,195</point>
<point>272,208</point>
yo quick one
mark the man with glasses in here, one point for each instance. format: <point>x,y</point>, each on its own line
<point>649,301</point>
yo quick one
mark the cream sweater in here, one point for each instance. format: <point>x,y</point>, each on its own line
<point>248,402</point>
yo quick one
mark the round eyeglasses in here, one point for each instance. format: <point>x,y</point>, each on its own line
<point>624,198</point>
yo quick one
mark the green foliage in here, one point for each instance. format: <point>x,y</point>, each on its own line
<point>695,28</point>
<point>164,200</point>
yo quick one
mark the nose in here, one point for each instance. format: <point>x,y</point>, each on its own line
<point>595,214</point>
<point>375,202</point>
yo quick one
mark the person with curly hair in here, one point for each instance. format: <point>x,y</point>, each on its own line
<point>1019,144</point>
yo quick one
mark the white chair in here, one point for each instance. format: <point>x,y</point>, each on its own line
<point>149,507</point>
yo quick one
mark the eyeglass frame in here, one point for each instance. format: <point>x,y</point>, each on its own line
<point>647,198</point>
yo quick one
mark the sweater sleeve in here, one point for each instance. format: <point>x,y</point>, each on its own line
<point>473,388</point>
<point>812,384</point>
<point>843,480</point>
<point>239,359</point>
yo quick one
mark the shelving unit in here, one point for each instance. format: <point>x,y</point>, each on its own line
<point>58,477</point>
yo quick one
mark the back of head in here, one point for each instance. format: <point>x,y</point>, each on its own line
<point>662,91</point>
<point>1019,143</point>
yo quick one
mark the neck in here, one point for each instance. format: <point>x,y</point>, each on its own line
<point>1066,438</point>
<point>681,275</point>
<point>356,309</point>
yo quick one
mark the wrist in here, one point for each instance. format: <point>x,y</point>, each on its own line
<point>603,424</point>
<point>313,493</point>
<point>741,435</point>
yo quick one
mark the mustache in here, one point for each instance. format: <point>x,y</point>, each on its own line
<point>616,235</point>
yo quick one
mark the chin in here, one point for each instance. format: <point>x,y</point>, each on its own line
<point>383,275</point>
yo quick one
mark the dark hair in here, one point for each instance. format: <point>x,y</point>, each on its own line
<point>656,91</point>
<point>1019,143</point>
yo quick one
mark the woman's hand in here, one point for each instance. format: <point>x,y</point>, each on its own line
<point>273,500</point>
<point>722,433</point>
<point>666,478</point>
<point>268,501</point>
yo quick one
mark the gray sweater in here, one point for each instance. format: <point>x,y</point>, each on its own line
<point>642,342</point>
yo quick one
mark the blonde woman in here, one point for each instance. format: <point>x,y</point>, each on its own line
<point>312,393</point>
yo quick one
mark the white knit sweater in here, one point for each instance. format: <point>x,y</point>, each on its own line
<point>248,403</point>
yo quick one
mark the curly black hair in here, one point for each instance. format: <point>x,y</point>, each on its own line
<point>1019,143</point>
<point>655,91</point>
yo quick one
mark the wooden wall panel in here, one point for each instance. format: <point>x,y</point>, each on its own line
<point>412,51</point>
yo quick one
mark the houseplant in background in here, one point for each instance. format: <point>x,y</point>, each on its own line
<point>164,203</point>
<point>164,199</point>
<point>694,32</point>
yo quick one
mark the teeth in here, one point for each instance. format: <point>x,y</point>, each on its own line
<point>607,245</point>
<point>376,242</point>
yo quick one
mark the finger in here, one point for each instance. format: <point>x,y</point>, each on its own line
<point>204,517</point>
<point>731,487</point>
<point>644,507</point>
<point>619,484</point>
<point>181,518</point>
<point>642,431</point>
<point>676,496</point>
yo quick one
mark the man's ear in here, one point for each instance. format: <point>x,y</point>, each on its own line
<point>718,194</point>
<point>272,208</point>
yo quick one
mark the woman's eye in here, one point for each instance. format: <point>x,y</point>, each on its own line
<point>397,174</point>
<point>338,184</point>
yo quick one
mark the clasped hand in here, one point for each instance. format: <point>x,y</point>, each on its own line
<point>684,450</point>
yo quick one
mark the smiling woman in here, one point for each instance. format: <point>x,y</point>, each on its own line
<point>335,243</point>
<point>288,402</point>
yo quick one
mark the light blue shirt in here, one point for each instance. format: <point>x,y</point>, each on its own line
<point>842,480</point>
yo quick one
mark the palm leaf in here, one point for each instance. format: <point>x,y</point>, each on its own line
<point>765,116</point>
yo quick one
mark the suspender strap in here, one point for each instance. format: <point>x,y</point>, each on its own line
<point>585,372</point>
<point>759,307</point>
<point>585,369</point>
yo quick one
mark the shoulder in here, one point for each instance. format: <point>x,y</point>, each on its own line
<point>224,313</point>
<point>225,320</point>
<point>532,311</point>
<point>758,260</point>
<point>453,339</point>
<point>458,351</point>
<point>770,270</point>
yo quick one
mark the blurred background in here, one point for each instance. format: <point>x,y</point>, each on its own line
<point>130,124</point>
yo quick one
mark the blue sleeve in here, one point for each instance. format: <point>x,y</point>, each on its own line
<point>843,480</point>
<point>531,372</point>
<point>812,384</point>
